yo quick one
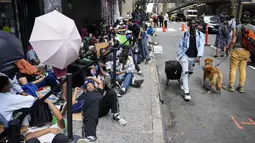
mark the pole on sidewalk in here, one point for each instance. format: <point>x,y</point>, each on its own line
<point>71,137</point>
<point>13,131</point>
<point>206,35</point>
<point>114,66</point>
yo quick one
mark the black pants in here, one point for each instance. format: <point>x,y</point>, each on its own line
<point>59,138</point>
<point>165,23</point>
<point>161,23</point>
<point>95,109</point>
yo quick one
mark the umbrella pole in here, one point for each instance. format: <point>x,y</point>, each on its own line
<point>114,66</point>
<point>71,138</point>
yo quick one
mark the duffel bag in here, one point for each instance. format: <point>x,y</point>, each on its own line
<point>173,70</point>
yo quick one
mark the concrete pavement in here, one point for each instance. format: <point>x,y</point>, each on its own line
<point>208,118</point>
<point>141,109</point>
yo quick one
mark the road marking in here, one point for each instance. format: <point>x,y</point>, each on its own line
<point>171,29</point>
<point>252,67</point>
<point>234,120</point>
<point>168,29</point>
<point>249,123</point>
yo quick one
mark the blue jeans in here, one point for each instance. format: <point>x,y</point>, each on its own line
<point>127,79</point>
<point>49,80</point>
<point>145,49</point>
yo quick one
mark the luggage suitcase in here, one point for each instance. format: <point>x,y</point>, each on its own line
<point>173,70</point>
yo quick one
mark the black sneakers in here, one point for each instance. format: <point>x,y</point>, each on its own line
<point>137,83</point>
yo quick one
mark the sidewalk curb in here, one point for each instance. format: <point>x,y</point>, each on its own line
<point>159,133</point>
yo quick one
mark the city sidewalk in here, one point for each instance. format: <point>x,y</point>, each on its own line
<point>141,109</point>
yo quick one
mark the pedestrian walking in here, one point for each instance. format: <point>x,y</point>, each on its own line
<point>161,20</point>
<point>222,37</point>
<point>240,53</point>
<point>231,26</point>
<point>166,18</point>
<point>190,50</point>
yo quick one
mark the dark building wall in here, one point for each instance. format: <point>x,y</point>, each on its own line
<point>83,11</point>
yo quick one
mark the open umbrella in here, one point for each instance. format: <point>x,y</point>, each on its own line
<point>55,39</point>
<point>11,50</point>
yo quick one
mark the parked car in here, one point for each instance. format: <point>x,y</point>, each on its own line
<point>213,23</point>
<point>180,18</point>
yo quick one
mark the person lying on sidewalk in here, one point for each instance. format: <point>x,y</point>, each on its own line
<point>124,74</point>
<point>48,133</point>
<point>96,105</point>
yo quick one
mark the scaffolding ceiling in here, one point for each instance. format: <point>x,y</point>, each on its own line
<point>168,1</point>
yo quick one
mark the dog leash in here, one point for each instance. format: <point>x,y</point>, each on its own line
<point>221,61</point>
<point>202,67</point>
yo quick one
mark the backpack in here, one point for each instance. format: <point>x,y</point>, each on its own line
<point>248,38</point>
<point>30,88</point>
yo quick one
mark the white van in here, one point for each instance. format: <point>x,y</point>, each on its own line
<point>190,14</point>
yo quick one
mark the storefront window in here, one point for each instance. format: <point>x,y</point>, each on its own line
<point>7,21</point>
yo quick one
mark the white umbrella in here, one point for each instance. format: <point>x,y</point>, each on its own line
<point>55,40</point>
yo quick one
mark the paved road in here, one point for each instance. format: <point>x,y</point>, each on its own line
<point>208,118</point>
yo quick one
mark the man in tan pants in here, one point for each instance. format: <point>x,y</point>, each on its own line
<point>239,55</point>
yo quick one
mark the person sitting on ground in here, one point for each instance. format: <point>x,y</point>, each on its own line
<point>150,31</point>
<point>103,73</point>
<point>125,69</point>
<point>10,102</point>
<point>96,105</point>
<point>15,86</point>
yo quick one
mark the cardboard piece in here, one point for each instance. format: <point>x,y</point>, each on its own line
<point>77,117</point>
<point>100,46</point>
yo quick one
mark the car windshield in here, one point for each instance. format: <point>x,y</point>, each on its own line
<point>192,13</point>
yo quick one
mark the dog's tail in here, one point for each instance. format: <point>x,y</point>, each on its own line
<point>219,81</point>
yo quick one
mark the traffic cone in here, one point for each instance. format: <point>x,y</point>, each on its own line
<point>183,27</point>
<point>164,28</point>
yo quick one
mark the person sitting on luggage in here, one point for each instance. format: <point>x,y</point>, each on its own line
<point>97,103</point>
<point>125,69</point>
<point>190,50</point>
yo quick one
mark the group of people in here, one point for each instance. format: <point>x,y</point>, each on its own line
<point>94,96</point>
<point>159,20</point>
<point>229,41</point>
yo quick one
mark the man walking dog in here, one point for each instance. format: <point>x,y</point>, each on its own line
<point>190,50</point>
